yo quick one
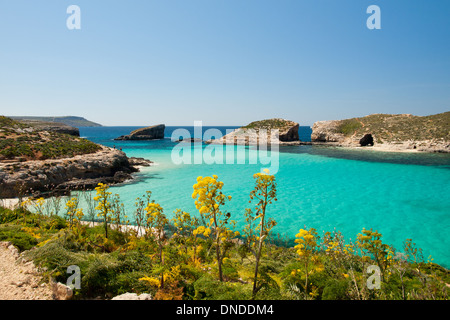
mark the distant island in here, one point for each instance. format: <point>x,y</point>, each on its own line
<point>68,120</point>
<point>387,132</point>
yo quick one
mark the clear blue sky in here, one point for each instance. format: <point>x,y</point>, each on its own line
<point>225,62</point>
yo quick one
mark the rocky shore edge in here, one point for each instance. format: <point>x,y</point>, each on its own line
<point>268,132</point>
<point>386,133</point>
<point>36,177</point>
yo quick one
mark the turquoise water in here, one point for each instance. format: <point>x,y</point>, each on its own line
<point>400,195</point>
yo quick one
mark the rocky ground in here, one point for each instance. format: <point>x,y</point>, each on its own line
<point>52,126</point>
<point>263,133</point>
<point>394,133</point>
<point>108,166</point>
<point>19,280</point>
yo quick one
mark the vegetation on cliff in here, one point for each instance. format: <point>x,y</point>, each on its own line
<point>203,257</point>
<point>401,127</point>
<point>268,124</point>
<point>21,141</point>
<point>68,120</point>
<point>279,131</point>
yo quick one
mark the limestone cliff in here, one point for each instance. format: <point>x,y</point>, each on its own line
<point>392,132</point>
<point>40,159</point>
<point>148,133</point>
<point>270,131</point>
<point>58,127</point>
<point>82,171</point>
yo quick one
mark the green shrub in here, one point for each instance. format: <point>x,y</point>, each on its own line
<point>20,239</point>
<point>349,126</point>
<point>335,290</point>
<point>7,215</point>
<point>208,287</point>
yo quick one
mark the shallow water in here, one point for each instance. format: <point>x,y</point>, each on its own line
<point>399,194</point>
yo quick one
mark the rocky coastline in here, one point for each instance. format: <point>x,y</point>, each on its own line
<point>36,177</point>
<point>388,133</point>
<point>148,133</point>
<point>51,126</point>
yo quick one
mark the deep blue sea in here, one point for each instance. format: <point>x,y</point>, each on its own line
<point>402,195</point>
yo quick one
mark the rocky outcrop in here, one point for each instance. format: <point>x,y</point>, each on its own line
<point>290,133</point>
<point>383,132</point>
<point>108,165</point>
<point>325,131</point>
<point>139,162</point>
<point>61,291</point>
<point>264,132</point>
<point>133,296</point>
<point>148,133</point>
<point>52,126</point>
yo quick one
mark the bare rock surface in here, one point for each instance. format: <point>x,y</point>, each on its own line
<point>82,171</point>
<point>385,132</point>
<point>61,292</point>
<point>52,126</point>
<point>147,133</point>
<point>133,296</point>
<point>20,280</point>
<point>264,132</point>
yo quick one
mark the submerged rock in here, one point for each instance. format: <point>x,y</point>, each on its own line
<point>138,162</point>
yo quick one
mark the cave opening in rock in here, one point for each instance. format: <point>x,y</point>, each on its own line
<point>367,140</point>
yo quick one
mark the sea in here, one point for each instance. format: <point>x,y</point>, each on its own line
<point>401,195</point>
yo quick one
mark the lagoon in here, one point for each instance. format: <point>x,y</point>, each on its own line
<point>401,195</point>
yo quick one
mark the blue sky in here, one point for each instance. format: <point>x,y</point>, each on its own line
<point>225,62</point>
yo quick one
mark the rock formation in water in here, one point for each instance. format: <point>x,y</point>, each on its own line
<point>148,133</point>
<point>264,132</point>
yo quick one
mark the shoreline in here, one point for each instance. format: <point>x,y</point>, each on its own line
<point>382,149</point>
<point>39,177</point>
<point>376,148</point>
<point>10,203</point>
